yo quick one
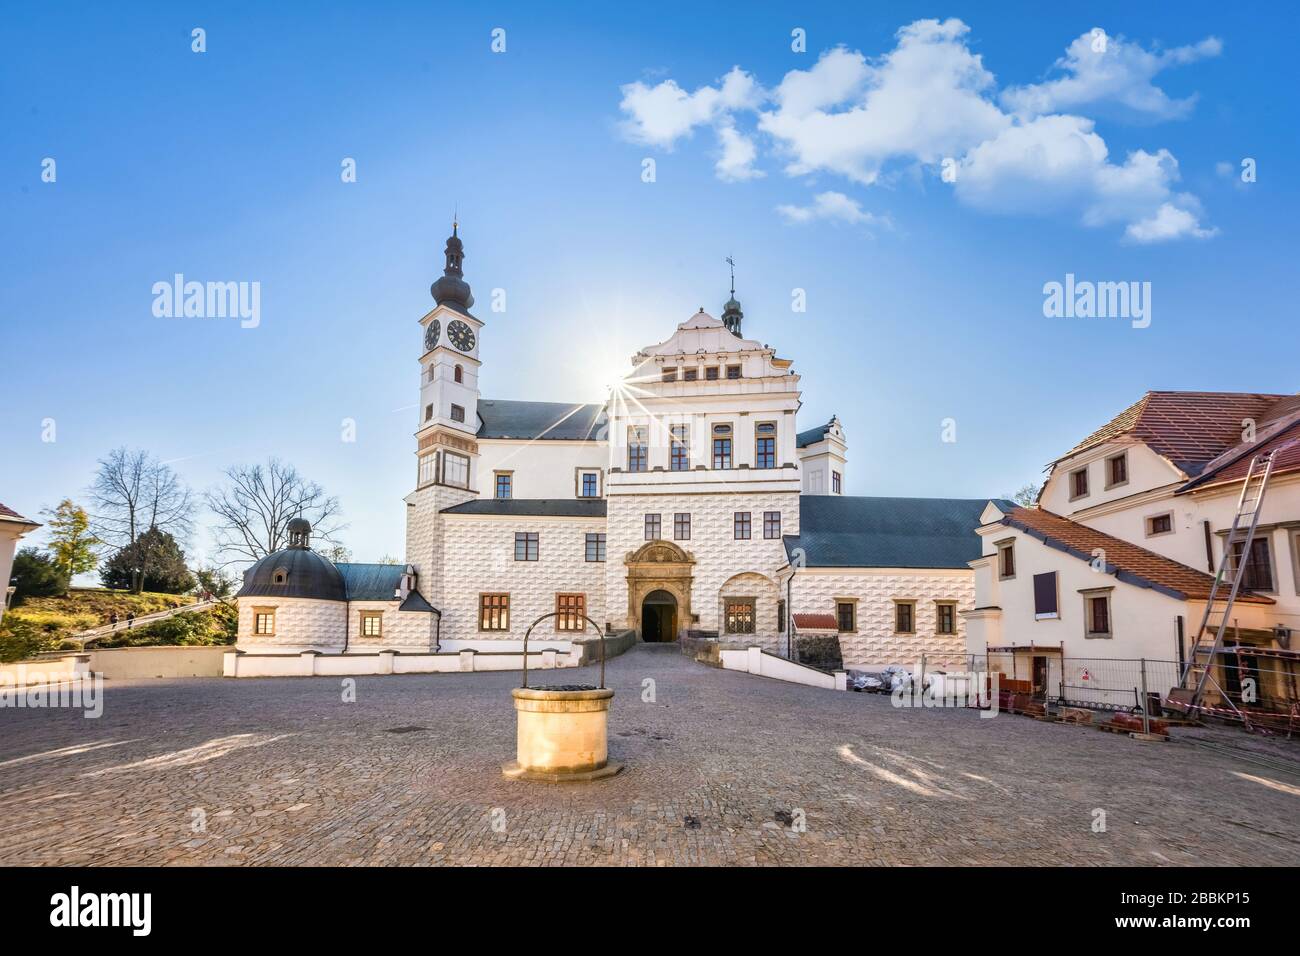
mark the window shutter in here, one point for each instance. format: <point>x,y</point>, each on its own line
<point>1045,595</point>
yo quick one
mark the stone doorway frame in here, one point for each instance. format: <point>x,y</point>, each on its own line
<point>660,566</point>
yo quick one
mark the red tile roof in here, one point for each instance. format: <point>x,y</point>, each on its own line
<point>6,512</point>
<point>1284,446</point>
<point>1190,429</point>
<point>1131,564</point>
<point>825,622</point>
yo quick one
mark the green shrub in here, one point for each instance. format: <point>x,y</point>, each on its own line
<point>20,640</point>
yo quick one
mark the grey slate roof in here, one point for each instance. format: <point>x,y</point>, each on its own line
<point>415,602</point>
<point>811,436</point>
<point>841,531</point>
<point>371,582</point>
<point>308,575</point>
<point>528,507</point>
<point>540,420</point>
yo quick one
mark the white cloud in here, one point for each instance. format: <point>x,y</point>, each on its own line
<point>930,100</point>
<point>1168,222</point>
<point>924,100</point>
<point>659,115</point>
<point>832,206</point>
<point>1116,73</point>
<point>738,154</point>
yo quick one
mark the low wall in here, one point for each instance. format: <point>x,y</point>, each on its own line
<point>755,660</point>
<point>315,664</point>
<point>588,648</point>
<point>128,663</point>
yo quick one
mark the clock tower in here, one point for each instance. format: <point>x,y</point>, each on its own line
<point>447,453</point>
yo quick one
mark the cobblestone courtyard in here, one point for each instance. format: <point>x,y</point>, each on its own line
<point>285,772</point>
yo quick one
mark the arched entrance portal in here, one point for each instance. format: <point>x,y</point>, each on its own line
<point>659,575</point>
<point>659,617</point>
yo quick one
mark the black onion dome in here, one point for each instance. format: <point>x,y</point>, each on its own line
<point>294,573</point>
<point>732,316</point>
<point>452,290</point>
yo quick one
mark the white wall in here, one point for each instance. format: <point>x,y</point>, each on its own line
<point>875,643</point>
<point>541,469</point>
<point>478,557</point>
<point>1146,471</point>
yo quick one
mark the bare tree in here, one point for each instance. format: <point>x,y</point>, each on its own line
<point>257,504</point>
<point>1027,496</point>
<point>133,492</point>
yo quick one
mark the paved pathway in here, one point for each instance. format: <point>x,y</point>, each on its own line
<point>283,771</point>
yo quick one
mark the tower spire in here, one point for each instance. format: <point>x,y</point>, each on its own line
<point>731,313</point>
<point>452,290</point>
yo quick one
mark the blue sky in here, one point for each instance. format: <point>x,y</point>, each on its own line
<point>924,297</point>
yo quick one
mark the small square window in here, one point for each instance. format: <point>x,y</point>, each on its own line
<point>733,371</point>
<point>372,624</point>
<point>494,612</point>
<point>526,546</point>
<point>264,621</point>
<point>711,373</point>
<point>457,413</point>
<point>1160,524</point>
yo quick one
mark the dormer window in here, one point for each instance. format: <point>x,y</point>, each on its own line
<point>279,576</point>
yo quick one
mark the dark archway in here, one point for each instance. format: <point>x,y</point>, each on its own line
<point>659,617</point>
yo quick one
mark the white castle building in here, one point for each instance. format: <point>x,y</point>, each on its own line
<point>690,503</point>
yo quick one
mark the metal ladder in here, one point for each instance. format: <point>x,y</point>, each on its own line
<point>1248,508</point>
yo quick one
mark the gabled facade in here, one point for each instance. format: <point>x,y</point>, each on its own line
<point>1117,559</point>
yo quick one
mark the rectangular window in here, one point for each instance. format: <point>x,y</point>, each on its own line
<point>691,375</point>
<point>837,483</point>
<point>571,608</point>
<point>526,545</point>
<point>1079,483</point>
<point>455,470</point>
<point>428,469</point>
<point>780,616</point>
<point>945,617</point>
<point>682,526</point>
<point>494,612</point>
<point>765,445</point>
<point>1045,603</point>
<point>740,615</point>
<point>1160,524</point>
<point>721,446</point>
<point>904,617</point>
<point>1258,575</point>
<point>1117,470</point>
<point>457,413</point>
<point>638,448</point>
<point>771,524</point>
<point>653,527</point>
<point>595,547</point>
<point>264,621</point>
<point>590,485</point>
<point>846,613</point>
<point>1007,560</point>
<point>670,374</point>
<point>1097,614</point>
<point>428,412</point>
<point>740,525</point>
<point>680,457</point>
<point>733,371</point>
<point>504,483</point>
<point>711,373</point>
<point>372,623</point>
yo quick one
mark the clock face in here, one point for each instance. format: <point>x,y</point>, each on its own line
<point>460,335</point>
<point>431,334</point>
